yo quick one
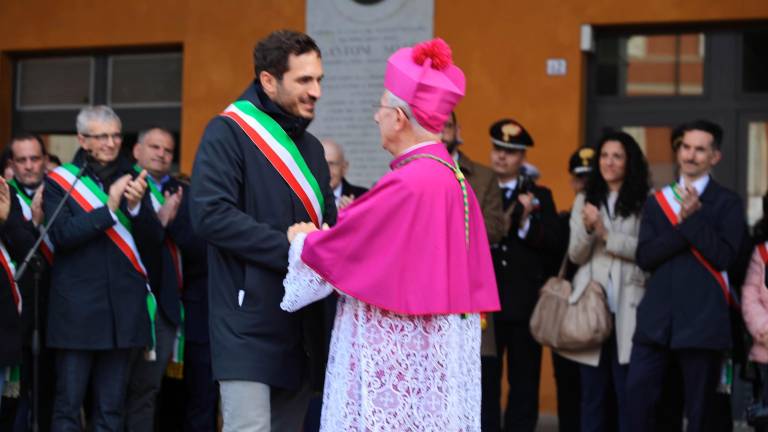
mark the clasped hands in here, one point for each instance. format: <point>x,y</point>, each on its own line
<point>302,227</point>
<point>690,203</point>
<point>129,188</point>
<point>593,221</point>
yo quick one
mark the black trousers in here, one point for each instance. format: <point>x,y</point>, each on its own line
<point>490,414</point>
<point>568,383</point>
<point>523,373</point>
<point>202,391</point>
<point>648,369</point>
<point>108,374</point>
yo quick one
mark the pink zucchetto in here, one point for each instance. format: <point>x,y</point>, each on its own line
<point>425,77</point>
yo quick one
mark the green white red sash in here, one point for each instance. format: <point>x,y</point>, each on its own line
<point>282,153</point>
<point>46,247</point>
<point>670,202</point>
<point>176,366</point>
<point>10,270</point>
<point>89,196</point>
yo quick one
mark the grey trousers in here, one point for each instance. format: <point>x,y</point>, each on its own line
<point>145,378</point>
<point>249,406</point>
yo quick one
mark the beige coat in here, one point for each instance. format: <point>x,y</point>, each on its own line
<point>598,260</point>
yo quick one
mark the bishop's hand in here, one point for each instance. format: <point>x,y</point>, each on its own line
<point>301,227</point>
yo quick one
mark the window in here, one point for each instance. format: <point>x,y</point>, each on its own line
<point>54,83</point>
<point>651,65</point>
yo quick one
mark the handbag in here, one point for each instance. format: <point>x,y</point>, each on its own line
<point>572,327</point>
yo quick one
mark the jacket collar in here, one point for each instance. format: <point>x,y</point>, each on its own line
<point>292,125</point>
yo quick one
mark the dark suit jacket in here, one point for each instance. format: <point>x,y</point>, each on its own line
<point>683,306</point>
<point>523,265</point>
<point>242,207</point>
<point>159,263</point>
<point>350,189</point>
<point>16,242</point>
<point>98,299</point>
<point>23,237</point>
<point>485,184</point>
<point>194,252</point>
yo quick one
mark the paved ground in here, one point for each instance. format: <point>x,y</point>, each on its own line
<point>548,423</point>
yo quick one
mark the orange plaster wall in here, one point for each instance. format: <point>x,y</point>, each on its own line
<point>502,45</point>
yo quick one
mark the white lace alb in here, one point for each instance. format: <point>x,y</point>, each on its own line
<point>390,372</point>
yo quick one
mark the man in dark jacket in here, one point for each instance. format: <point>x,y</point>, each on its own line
<point>343,191</point>
<point>28,158</point>
<point>485,184</point>
<point>256,173</point>
<point>690,234</point>
<point>13,242</point>
<point>154,153</point>
<point>523,262</point>
<point>98,310</point>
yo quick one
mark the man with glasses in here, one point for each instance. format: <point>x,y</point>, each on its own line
<point>101,306</point>
<point>343,191</point>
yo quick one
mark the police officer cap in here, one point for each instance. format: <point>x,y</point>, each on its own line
<point>509,134</point>
<point>581,161</point>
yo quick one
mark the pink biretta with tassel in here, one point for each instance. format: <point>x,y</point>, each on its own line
<point>425,77</point>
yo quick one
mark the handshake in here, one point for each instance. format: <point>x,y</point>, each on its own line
<point>302,227</point>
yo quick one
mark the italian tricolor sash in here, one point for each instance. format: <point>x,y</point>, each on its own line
<point>670,202</point>
<point>10,271</point>
<point>270,138</point>
<point>89,196</point>
<point>46,247</point>
<point>176,366</point>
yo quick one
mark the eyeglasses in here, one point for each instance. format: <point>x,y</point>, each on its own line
<point>116,137</point>
<point>400,109</point>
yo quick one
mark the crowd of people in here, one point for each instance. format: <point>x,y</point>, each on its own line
<point>271,294</point>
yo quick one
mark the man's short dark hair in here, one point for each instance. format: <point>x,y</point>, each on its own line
<point>271,53</point>
<point>143,133</point>
<point>24,137</point>
<point>701,125</point>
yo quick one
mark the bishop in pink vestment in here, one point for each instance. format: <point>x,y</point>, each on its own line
<point>410,262</point>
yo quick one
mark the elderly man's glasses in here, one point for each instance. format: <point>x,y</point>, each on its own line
<point>116,137</point>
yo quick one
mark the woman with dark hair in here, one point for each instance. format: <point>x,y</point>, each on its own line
<point>605,222</point>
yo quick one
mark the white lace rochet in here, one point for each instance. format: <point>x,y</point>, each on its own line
<point>390,372</point>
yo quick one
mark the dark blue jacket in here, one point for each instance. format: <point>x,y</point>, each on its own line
<point>159,262</point>
<point>242,207</point>
<point>16,241</point>
<point>683,306</point>
<point>194,252</point>
<point>97,298</point>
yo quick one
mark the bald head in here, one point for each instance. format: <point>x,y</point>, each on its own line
<point>337,164</point>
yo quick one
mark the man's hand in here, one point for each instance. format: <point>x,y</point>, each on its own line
<point>690,204</point>
<point>116,192</point>
<point>301,227</point>
<point>135,189</point>
<point>345,201</point>
<point>167,213</point>
<point>5,200</point>
<point>526,200</point>
<point>37,206</point>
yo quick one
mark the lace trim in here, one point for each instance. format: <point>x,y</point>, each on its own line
<point>390,372</point>
<point>302,285</point>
